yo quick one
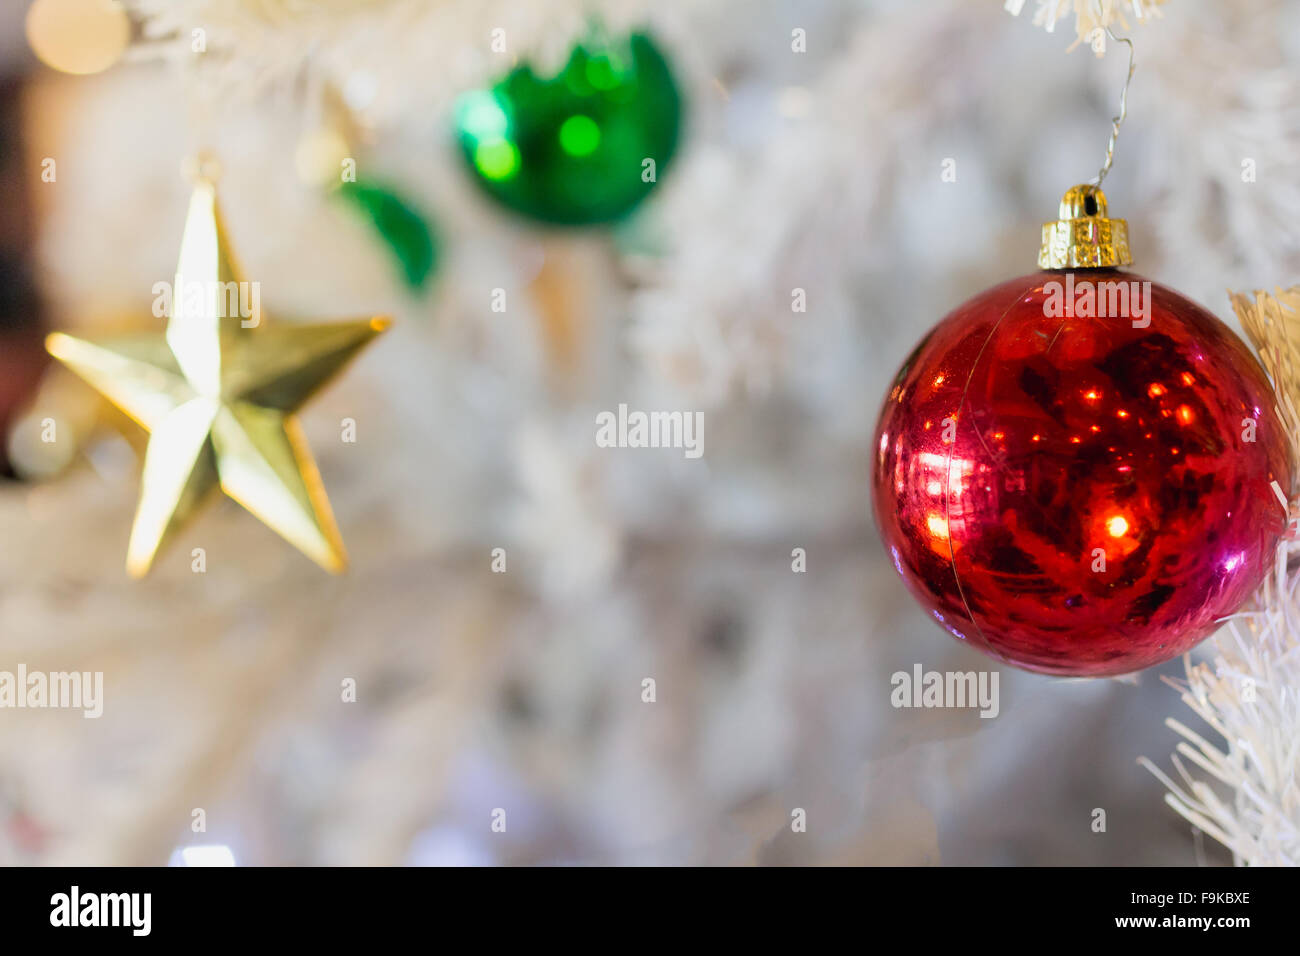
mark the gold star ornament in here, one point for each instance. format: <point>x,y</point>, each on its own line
<point>218,393</point>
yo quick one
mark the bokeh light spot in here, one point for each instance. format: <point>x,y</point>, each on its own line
<point>579,135</point>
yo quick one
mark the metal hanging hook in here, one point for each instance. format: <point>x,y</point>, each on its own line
<point>1117,121</point>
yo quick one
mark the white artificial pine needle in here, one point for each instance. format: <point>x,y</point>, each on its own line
<point>1252,805</point>
<point>1092,18</point>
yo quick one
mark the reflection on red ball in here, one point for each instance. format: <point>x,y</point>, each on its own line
<point>1081,487</point>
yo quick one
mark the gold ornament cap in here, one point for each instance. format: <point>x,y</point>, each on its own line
<point>1084,237</point>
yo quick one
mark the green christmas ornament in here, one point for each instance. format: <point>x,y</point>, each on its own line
<point>406,232</point>
<point>582,147</point>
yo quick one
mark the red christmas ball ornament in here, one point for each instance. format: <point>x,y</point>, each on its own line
<point>1074,471</point>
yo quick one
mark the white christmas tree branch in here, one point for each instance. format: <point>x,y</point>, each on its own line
<point>1092,18</point>
<point>1250,695</point>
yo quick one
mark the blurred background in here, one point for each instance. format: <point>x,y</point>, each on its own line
<point>813,144</point>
